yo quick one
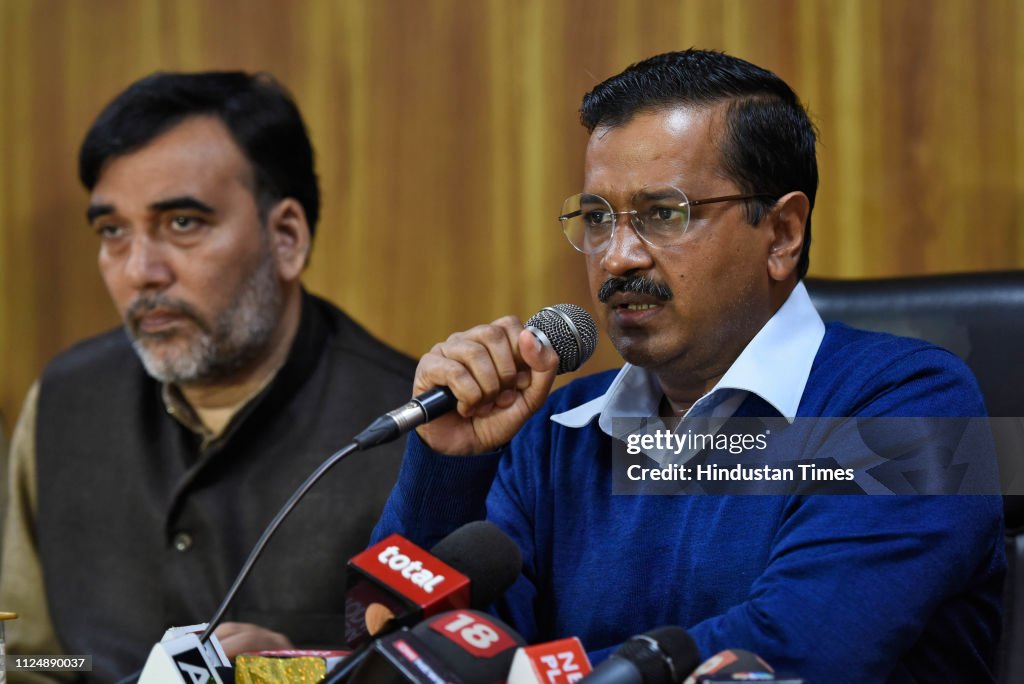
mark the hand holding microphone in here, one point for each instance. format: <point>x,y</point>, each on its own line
<point>244,637</point>
<point>500,374</point>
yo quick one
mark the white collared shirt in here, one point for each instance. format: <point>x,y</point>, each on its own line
<point>775,366</point>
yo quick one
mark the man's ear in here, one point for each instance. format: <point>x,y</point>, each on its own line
<point>290,241</point>
<point>787,220</point>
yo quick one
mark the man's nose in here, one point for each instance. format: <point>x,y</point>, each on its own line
<point>626,251</point>
<point>148,267</point>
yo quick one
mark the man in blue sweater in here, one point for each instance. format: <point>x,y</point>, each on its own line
<point>700,177</point>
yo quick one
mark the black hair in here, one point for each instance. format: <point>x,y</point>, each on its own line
<point>257,110</point>
<point>769,141</point>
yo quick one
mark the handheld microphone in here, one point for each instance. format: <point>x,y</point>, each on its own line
<point>556,662</point>
<point>462,647</point>
<point>566,328</point>
<point>660,656</point>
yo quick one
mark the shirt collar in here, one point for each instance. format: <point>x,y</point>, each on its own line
<point>182,411</point>
<point>775,366</point>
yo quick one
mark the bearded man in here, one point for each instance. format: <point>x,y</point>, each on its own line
<point>148,460</point>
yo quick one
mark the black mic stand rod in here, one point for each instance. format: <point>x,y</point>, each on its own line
<point>333,460</point>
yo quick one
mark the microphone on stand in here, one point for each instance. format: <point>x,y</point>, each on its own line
<point>566,328</point>
<point>395,583</point>
<point>554,662</point>
<point>387,591</point>
<point>181,656</point>
<point>460,646</point>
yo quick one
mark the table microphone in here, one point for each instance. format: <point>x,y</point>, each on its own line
<point>457,647</point>
<point>554,662</point>
<point>660,656</point>
<point>470,568</point>
<point>395,583</point>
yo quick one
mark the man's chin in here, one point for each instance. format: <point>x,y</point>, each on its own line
<point>167,364</point>
<point>636,352</point>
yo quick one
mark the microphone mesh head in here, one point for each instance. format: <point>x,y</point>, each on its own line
<point>571,332</point>
<point>663,656</point>
<point>484,554</point>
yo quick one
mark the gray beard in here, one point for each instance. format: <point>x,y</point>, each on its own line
<point>219,349</point>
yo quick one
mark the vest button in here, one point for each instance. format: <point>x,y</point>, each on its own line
<point>182,541</point>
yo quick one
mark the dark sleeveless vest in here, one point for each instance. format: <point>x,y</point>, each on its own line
<point>139,530</point>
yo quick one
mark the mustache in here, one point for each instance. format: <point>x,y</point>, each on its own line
<point>153,302</point>
<point>637,284</point>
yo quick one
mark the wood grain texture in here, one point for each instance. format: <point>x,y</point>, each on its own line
<point>447,137</point>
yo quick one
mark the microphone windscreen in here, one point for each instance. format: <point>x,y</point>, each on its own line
<point>569,330</point>
<point>662,656</point>
<point>484,554</point>
<point>679,646</point>
<point>471,567</point>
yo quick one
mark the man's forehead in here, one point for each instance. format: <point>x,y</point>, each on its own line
<point>670,120</point>
<point>184,159</point>
<point>658,146</point>
<point>196,134</point>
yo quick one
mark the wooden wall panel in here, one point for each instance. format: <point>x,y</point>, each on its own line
<point>447,137</point>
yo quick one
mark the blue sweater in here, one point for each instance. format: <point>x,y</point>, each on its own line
<point>833,588</point>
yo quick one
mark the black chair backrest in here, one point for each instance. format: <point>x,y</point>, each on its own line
<point>979,317</point>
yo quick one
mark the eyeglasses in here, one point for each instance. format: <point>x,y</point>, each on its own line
<point>660,217</point>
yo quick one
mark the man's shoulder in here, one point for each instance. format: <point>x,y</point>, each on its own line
<point>92,373</point>
<point>349,337</point>
<point>847,347</point>
<point>106,351</point>
<point>855,368</point>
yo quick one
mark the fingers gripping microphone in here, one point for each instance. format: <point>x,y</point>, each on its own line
<point>569,330</point>
<point>566,328</point>
<point>660,656</point>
